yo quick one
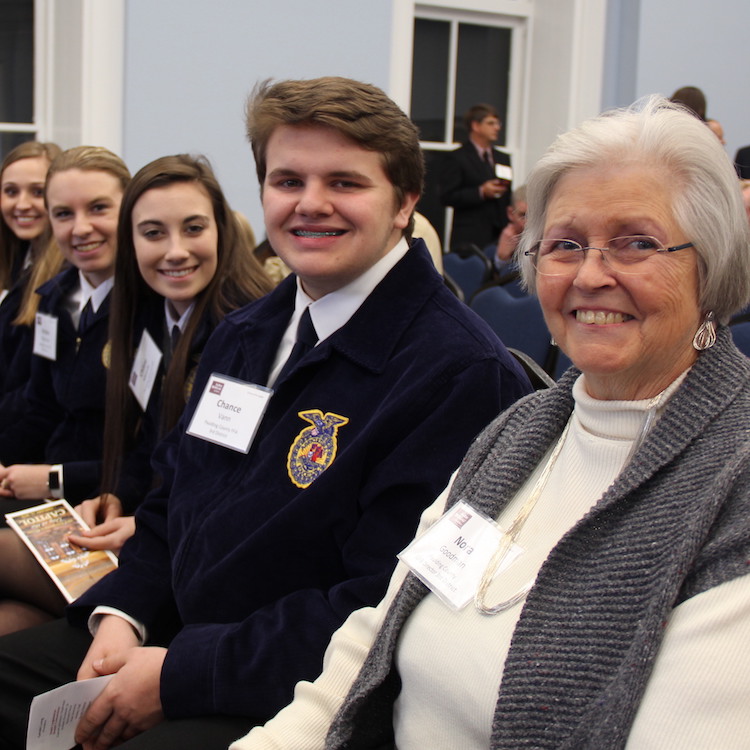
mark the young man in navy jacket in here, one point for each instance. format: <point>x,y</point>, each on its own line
<point>270,527</point>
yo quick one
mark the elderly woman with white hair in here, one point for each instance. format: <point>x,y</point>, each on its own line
<point>584,582</point>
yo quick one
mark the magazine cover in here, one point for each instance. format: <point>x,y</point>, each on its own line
<point>45,529</point>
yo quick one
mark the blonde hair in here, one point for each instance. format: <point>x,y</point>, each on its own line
<point>51,260</point>
<point>89,158</point>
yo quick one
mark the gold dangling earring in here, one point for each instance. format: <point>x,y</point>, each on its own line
<point>705,336</point>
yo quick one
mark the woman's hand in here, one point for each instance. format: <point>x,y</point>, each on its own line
<point>109,528</point>
<point>25,481</point>
<point>109,535</point>
<point>100,509</point>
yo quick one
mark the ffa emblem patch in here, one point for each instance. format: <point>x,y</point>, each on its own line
<point>314,449</point>
<point>189,383</point>
<point>107,354</point>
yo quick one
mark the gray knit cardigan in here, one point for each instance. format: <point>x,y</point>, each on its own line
<point>674,523</point>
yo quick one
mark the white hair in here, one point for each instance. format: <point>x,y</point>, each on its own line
<point>706,199</point>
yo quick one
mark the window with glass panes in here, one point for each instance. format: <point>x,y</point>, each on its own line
<point>16,73</point>
<point>456,64</point>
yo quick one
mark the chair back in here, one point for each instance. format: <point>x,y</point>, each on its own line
<point>468,273</point>
<point>518,321</point>
<point>537,376</point>
<point>741,336</point>
<point>562,363</point>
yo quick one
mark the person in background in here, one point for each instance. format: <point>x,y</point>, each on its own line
<point>28,258</point>
<point>274,267</point>
<point>360,381</point>
<point>693,99</point>
<point>745,185</point>
<point>55,448</point>
<point>716,128</point>
<point>612,609</point>
<point>245,230</point>
<point>475,181</point>
<point>742,162</point>
<point>507,243</point>
<point>181,267</point>
<point>426,232</point>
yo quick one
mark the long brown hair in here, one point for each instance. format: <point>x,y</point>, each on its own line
<point>46,259</point>
<point>238,280</point>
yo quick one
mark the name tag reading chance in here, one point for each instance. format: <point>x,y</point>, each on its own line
<point>229,412</point>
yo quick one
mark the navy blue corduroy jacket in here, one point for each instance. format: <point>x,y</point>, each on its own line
<point>247,575</point>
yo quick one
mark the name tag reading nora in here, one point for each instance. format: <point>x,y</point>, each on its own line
<point>45,336</point>
<point>229,412</point>
<point>145,367</point>
<point>451,556</point>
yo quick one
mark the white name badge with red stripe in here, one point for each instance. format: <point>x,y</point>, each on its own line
<point>45,336</point>
<point>451,556</point>
<point>145,367</point>
<point>229,412</point>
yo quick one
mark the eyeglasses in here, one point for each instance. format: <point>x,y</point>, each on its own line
<point>555,257</point>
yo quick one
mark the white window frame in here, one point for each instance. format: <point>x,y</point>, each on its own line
<point>32,127</point>
<point>562,64</point>
<point>512,14</point>
<point>78,73</point>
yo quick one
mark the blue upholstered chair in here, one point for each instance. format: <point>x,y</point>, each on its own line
<point>518,321</point>
<point>468,267</point>
<point>741,336</point>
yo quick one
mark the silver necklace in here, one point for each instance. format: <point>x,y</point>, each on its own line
<point>510,536</point>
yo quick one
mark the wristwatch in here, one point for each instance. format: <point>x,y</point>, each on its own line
<point>55,481</point>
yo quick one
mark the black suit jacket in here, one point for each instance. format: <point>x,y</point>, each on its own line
<point>475,219</point>
<point>742,162</point>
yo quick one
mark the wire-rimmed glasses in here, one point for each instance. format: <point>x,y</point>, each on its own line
<point>559,257</point>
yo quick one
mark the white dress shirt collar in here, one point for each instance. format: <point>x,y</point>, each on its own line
<point>97,294</point>
<point>172,320</point>
<point>333,311</point>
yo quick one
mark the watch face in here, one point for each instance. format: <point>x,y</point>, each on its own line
<point>54,480</point>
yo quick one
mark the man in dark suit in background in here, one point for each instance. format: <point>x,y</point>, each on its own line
<point>742,162</point>
<point>476,181</point>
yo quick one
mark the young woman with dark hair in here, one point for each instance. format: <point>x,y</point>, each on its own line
<point>181,266</point>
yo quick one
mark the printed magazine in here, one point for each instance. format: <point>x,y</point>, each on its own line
<point>45,529</point>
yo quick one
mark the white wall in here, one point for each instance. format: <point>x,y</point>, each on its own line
<point>190,65</point>
<point>704,44</point>
<point>566,54</point>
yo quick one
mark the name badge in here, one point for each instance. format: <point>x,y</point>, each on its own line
<point>145,367</point>
<point>504,172</point>
<point>452,555</point>
<point>229,412</point>
<point>45,336</point>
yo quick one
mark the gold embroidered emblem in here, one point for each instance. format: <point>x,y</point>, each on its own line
<point>189,383</point>
<point>314,449</point>
<point>107,354</point>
